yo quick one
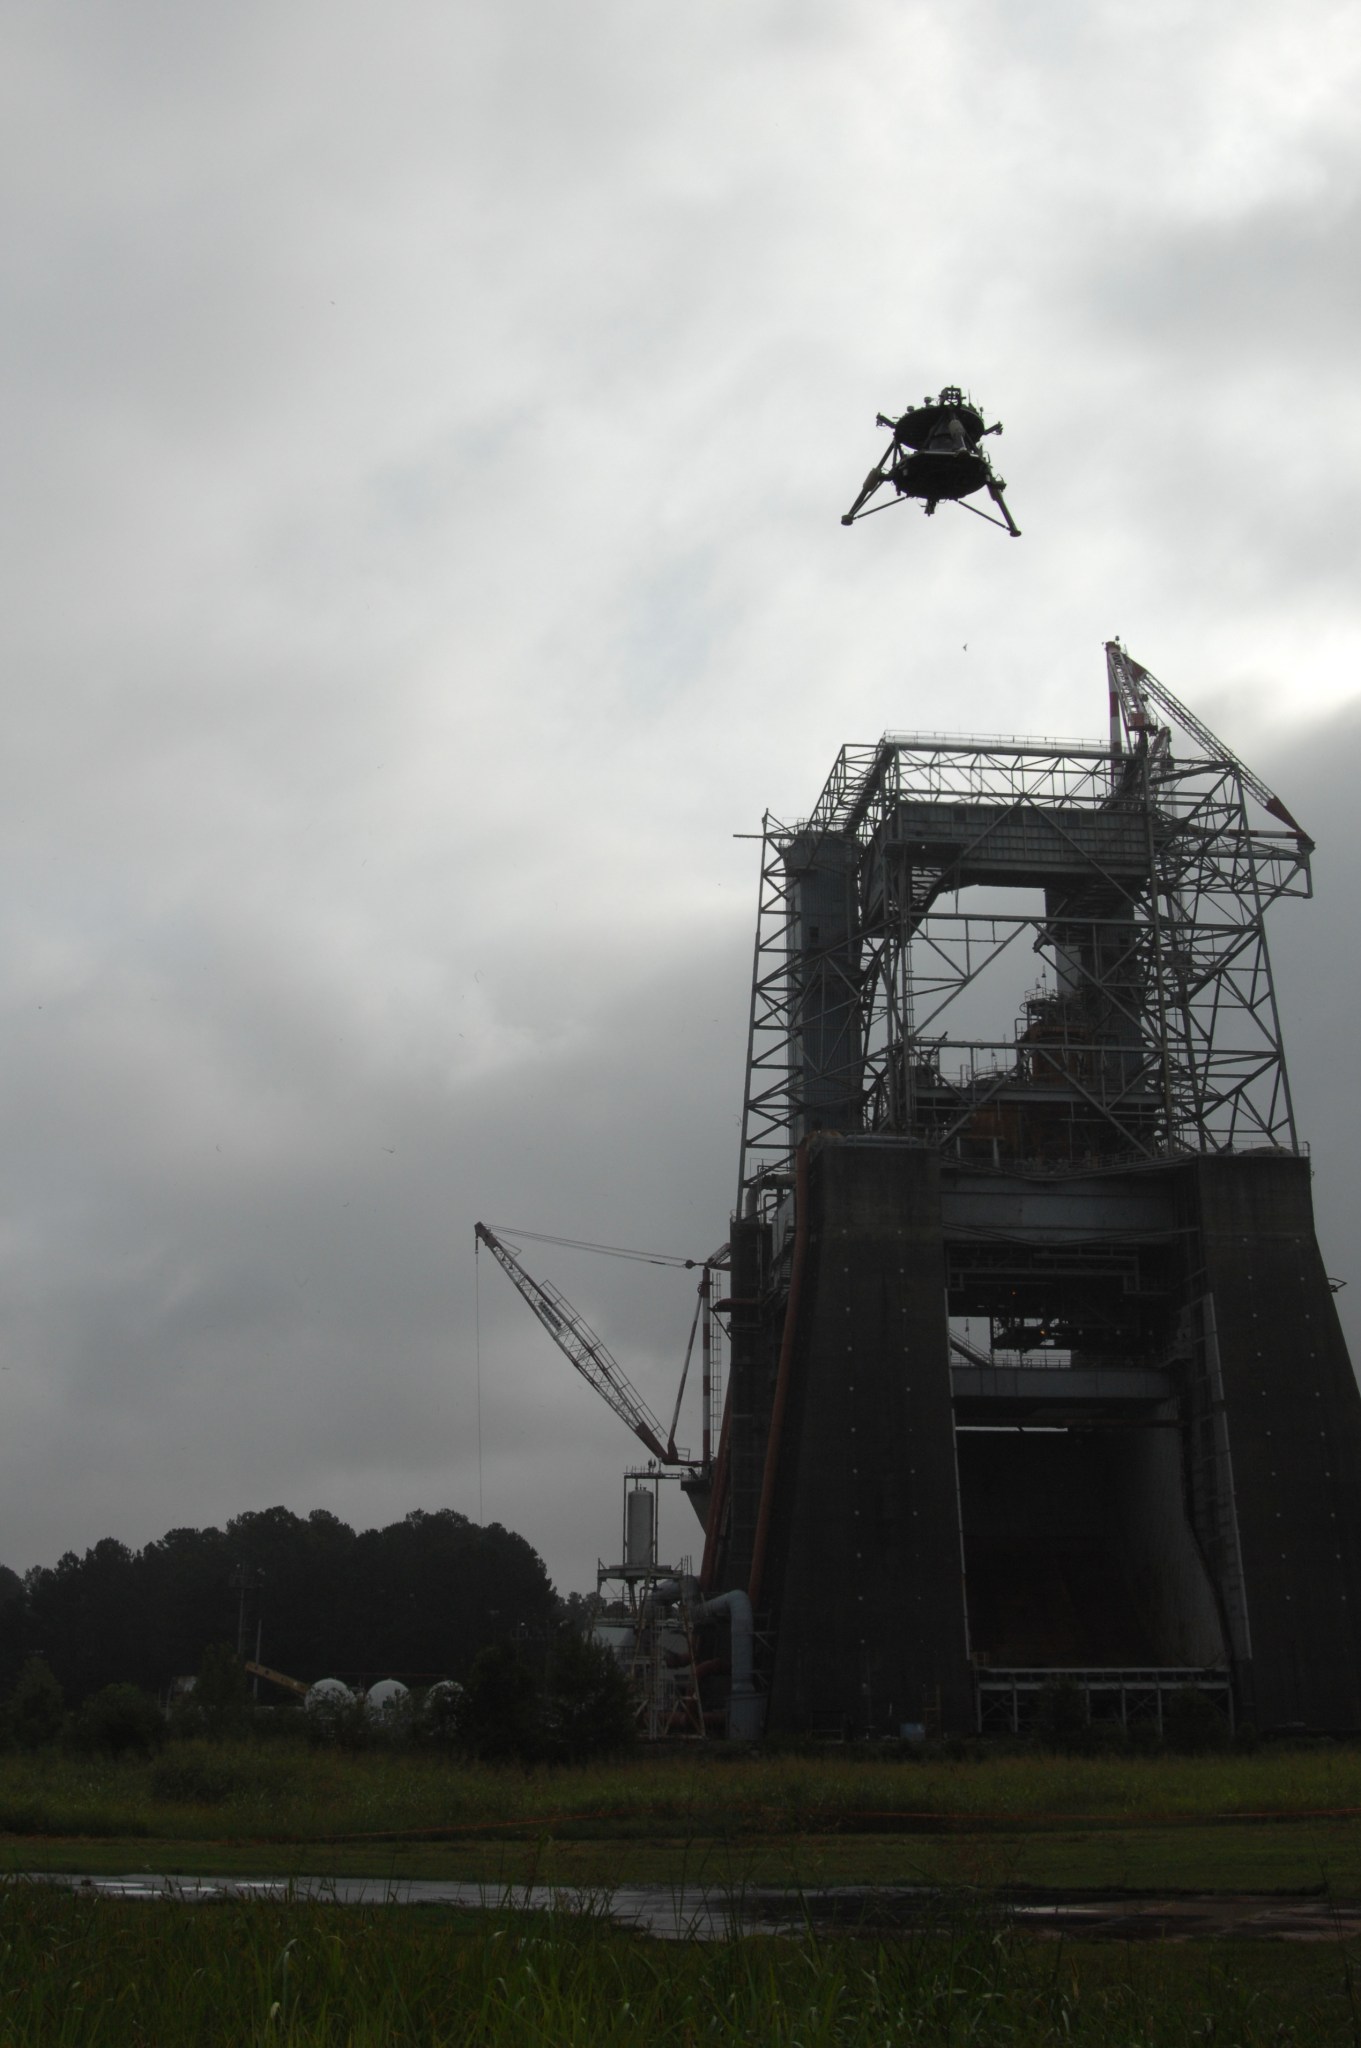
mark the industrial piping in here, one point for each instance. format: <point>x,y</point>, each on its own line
<point>746,1707</point>
<point>718,1502</point>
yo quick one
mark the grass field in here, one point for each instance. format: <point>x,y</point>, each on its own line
<point>1278,1819</point>
<point>81,1971</point>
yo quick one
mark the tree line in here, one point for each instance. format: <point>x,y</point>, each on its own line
<point>417,1600</point>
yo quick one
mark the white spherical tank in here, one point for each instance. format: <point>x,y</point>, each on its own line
<point>328,1696</point>
<point>386,1700</point>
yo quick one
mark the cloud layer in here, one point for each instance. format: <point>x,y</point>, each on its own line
<point>427,432</point>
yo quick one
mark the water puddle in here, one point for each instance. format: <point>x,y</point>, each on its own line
<point>680,1914</point>
<point>701,1913</point>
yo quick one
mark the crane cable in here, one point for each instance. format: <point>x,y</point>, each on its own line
<point>611,1251</point>
<point>685,1371</point>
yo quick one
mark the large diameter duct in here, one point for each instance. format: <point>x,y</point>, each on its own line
<point>666,1592</point>
<point>746,1707</point>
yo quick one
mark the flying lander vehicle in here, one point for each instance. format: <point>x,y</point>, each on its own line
<point>936,455</point>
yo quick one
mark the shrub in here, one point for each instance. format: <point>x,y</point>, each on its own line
<point>348,1726</point>
<point>500,1717</point>
<point>438,1720</point>
<point>1193,1723</point>
<point>589,1709</point>
<point>1061,1715</point>
<point>219,1705</point>
<point>195,1775</point>
<point>120,1721</point>
<point>36,1710</point>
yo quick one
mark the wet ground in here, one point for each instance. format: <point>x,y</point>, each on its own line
<point>702,1914</point>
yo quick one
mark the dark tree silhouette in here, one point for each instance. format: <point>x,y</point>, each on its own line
<point>418,1600</point>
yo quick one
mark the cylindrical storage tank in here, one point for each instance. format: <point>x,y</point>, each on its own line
<point>639,1515</point>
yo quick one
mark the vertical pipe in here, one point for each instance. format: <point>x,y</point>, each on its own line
<point>706,1352</point>
<point>791,1317</point>
<point>718,1500</point>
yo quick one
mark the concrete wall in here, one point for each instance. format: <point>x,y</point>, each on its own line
<point>1292,1417</point>
<point>1081,1548</point>
<point>865,1582</point>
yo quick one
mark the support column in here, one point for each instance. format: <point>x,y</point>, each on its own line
<point>865,1578</point>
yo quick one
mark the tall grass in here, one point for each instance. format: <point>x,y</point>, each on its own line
<point>273,1792</point>
<point>93,1972</point>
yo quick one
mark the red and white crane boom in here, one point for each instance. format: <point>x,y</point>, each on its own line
<point>1133,690</point>
<point>576,1339</point>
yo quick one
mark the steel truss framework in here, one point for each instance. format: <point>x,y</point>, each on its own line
<point>1147,883</point>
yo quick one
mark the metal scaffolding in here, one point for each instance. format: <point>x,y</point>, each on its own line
<point>1137,878</point>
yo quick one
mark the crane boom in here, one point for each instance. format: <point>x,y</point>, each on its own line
<point>1135,689</point>
<point>578,1342</point>
<point>278,1678</point>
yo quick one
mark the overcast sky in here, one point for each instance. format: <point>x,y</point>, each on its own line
<point>427,428</point>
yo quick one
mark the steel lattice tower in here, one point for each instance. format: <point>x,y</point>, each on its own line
<point>1035,1367</point>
